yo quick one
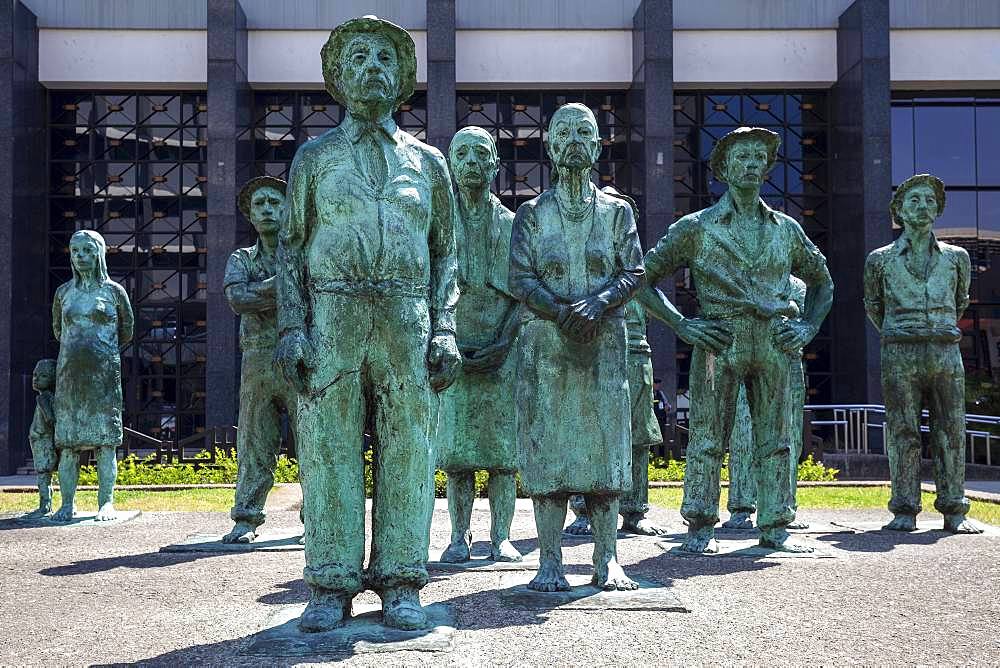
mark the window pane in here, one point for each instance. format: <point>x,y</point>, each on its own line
<point>945,144</point>
<point>957,225</point>
<point>988,145</point>
<point>902,143</point>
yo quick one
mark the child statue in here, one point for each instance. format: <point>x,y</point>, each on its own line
<point>41,435</point>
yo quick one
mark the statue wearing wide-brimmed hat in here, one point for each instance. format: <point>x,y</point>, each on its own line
<point>916,289</point>
<point>741,254</point>
<point>366,312</point>
<point>251,288</point>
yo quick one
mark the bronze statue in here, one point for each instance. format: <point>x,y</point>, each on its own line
<point>575,262</point>
<point>366,318</point>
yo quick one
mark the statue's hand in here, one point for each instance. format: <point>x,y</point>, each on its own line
<point>792,335</point>
<point>444,361</point>
<point>487,359</point>
<point>709,334</point>
<point>294,358</point>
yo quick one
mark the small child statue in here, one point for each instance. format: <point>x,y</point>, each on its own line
<point>41,435</point>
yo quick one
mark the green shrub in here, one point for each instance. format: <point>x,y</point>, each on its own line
<point>661,470</point>
<point>135,471</point>
<point>811,470</point>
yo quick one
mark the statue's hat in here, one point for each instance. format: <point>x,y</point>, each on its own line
<point>251,186</point>
<point>717,159</point>
<point>405,54</point>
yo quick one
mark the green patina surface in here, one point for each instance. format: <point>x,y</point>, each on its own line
<point>915,291</point>
<point>41,434</point>
<point>477,430</point>
<point>366,316</point>
<point>92,320</point>
<point>250,283</point>
<point>575,262</point>
<point>748,332</point>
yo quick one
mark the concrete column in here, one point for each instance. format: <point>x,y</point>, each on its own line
<point>861,177</point>
<point>441,104</point>
<point>652,110</point>
<point>229,108</point>
<point>24,303</point>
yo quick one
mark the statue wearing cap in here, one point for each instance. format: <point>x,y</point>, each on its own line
<point>740,253</point>
<point>916,289</point>
<point>477,432</point>
<point>251,288</point>
<point>366,316</point>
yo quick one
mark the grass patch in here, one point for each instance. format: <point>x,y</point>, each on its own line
<point>189,500</point>
<point>836,498</point>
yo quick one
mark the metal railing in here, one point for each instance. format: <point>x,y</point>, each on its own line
<point>861,429</point>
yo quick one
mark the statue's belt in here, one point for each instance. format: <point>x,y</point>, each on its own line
<point>365,288</point>
<point>922,334</point>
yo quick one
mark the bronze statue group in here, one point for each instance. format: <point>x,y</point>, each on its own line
<point>389,290</point>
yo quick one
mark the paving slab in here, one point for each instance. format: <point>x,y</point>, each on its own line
<point>80,519</point>
<point>362,634</point>
<point>813,528</point>
<point>923,526</point>
<point>749,548</point>
<point>280,541</point>
<point>483,564</point>
<point>650,596</point>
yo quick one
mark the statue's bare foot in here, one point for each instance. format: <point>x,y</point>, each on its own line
<point>505,551</point>
<point>401,609</point>
<point>40,511</point>
<point>738,520</point>
<point>457,553</point>
<point>106,513</point>
<point>902,523</point>
<point>700,541</point>
<point>579,527</point>
<point>958,524</point>
<point>64,514</point>
<point>778,539</point>
<point>549,578</point>
<point>325,612</point>
<point>643,527</point>
<point>242,532</point>
<point>798,524</point>
<point>611,577</point>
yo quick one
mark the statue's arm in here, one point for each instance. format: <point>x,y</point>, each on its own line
<point>57,314</point>
<point>962,284</point>
<point>627,281</point>
<point>525,283</point>
<point>671,252</point>
<point>809,264</point>
<point>244,295</point>
<point>874,298</point>
<point>444,258</point>
<point>290,278</point>
<point>126,319</point>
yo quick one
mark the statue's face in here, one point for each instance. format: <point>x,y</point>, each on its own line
<point>573,140</point>
<point>919,208</point>
<point>746,163</point>
<point>83,254</point>
<point>368,71</point>
<point>473,158</point>
<point>42,378</point>
<point>267,205</point>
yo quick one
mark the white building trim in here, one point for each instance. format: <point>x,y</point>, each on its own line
<point>290,58</point>
<point>122,58</point>
<point>747,58</point>
<point>943,59</point>
<point>543,58</point>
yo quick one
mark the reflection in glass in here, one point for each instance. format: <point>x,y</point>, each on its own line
<point>945,143</point>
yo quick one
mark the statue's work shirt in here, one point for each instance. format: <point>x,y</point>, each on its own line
<point>359,236</point>
<point>732,281</point>
<point>910,307</point>
<point>258,329</point>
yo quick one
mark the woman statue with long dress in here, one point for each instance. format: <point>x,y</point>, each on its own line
<point>92,319</point>
<point>575,262</point>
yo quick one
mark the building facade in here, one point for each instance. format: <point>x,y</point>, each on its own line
<point>142,119</point>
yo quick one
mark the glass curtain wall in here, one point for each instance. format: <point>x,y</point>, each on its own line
<point>131,165</point>
<point>956,137</point>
